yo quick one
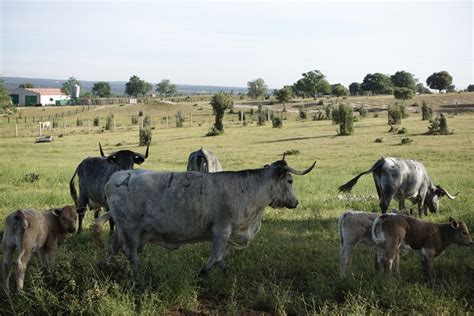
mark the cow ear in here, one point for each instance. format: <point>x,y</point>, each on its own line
<point>112,159</point>
<point>57,211</point>
<point>410,212</point>
<point>138,159</point>
<point>454,223</point>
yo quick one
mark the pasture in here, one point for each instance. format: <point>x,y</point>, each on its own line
<point>292,266</point>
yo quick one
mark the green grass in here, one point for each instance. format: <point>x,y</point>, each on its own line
<point>291,266</point>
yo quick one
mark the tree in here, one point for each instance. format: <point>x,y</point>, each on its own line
<point>354,88</point>
<point>135,86</point>
<point>470,88</point>
<point>451,89</point>
<point>284,95</point>
<point>101,89</point>
<point>403,79</point>
<point>439,80</point>
<point>26,85</point>
<point>166,88</point>
<point>5,99</point>
<point>312,83</point>
<point>257,88</point>
<point>421,89</point>
<point>377,83</point>
<point>403,93</point>
<point>339,90</point>
<point>220,102</point>
<point>67,86</point>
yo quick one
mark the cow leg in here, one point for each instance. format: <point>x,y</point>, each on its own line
<point>219,246</point>
<point>397,262</point>
<point>421,207</point>
<point>223,263</point>
<point>82,205</point>
<point>22,262</point>
<point>7,265</point>
<point>401,204</point>
<point>130,248</point>
<point>111,225</point>
<point>427,258</point>
<point>114,243</point>
<point>385,199</point>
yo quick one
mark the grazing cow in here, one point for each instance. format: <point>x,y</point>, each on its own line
<point>403,179</point>
<point>94,172</point>
<point>178,208</point>
<point>390,232</point>
<point>355,227</point>
<point>45,125</point>
<point>203,160</point>
<point>28,230</point>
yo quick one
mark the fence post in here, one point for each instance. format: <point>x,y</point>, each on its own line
<point>88,126</point>
<point>166,120</point>
<point>241,117</point>
<point>33,119</point>
<point>64,128</point>
<point>142,120</point>
<point>268,114</point>
<point>191,119</point>
<point>25,120</point>
<point>8,118</point>
<point>40,129</point>
<point>16,130</point>
<point>113,126</point>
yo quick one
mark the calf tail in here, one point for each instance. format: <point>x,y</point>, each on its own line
<point>72,189</point>
<point>340,222</point>
<point>348,186</point>
<point>97,228</point>
<point>377,233</point>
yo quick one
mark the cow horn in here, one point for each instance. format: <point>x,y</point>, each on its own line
<point>101,151</point>
<point>299,173</point>
<point>146,152</point>
<point>283,156</point>
<point>451,197</point>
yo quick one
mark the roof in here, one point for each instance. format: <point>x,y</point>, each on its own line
<point>46,91</point>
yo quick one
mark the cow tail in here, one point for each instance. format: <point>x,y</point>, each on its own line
<point>72,189</point>
<point>97,228</point>
<point>375,168</point>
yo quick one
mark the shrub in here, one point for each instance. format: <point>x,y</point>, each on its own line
<point>379,140</point>
<point>415,105</point>
<point>144,135</point>
<point>302,113</point>
<point>321,102</point>
<point>134,120</point>
<point>277,122</point>
<point>109,122</point>
<point>395,114</point>
<point>140,113</point>
<point>328,111</point>
<point>439,126</point>
<point>31,177</point>
<point>55,123</point>
<point>403,93</point>
<point>346,119</point>
<point>363,111</point>
<point>406,141</point>
<point>179,119</point>
<point>147,121</point>
<point>79,122</point>
<point>426,111</point>
<point>220,102</point>
<point>318,116</point>
<point>213,131</point>
<point>402,130</point>
<point>261,117</point>
<point>96,121</point>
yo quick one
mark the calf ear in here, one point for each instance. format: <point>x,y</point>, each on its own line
<point>138,159</point>
<point>57,211</point>
<point>410,211</point>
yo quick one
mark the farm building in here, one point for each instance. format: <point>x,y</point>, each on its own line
<point>43,96</point>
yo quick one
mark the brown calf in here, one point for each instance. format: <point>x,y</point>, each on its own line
<point>389,232</point>
<point>30,230</point>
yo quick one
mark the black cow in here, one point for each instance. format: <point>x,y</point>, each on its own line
<point>94,172</point>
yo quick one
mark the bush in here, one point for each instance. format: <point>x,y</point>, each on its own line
<point>277,122</point>
<point>134,120</point>
<point>147,121</point>
<point>261,117</point>
<point>321,102</point>
<point>406,141</point>
<point>363,111</point>
<point>302,113</point>
<point>328,111</point>
<point>403,93</point>
<point>439,126</point>
<point>395,114</point>
<point>140,113</point>
<point>318,116</point>
<point>220,102</point>
<point>79,122</point>
<point>346,119</point>
<point>402,130</point>
<point>144,136</point>
<point>426,111</point>
<point>179,119</point>
<point>109,123</point>
<point>96,121</point>
<point>379,140</point>
<point>55,123</point>
<point>213,131</point>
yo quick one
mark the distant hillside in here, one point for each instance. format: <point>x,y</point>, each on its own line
<point>117,87</point>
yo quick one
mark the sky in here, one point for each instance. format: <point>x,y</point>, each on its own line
<point>230,43</point>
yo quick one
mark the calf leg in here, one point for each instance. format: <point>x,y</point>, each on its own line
<point>427,258</point>
<point>345,259</point>
<point>82,205</point>
<point>7,265</point>
<point>22,262</point>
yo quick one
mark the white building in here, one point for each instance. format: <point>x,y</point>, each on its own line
<point>43,96</point>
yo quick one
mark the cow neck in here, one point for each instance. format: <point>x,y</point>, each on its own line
<point>254,179</point>
<point>446,233</point>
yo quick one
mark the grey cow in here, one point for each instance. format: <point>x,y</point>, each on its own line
<point>178,208</point>
<point>403,179</point>
<point>94,172</point>
<point>203,160</point>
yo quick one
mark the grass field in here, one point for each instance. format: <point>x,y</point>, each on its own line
<point>292,265</point>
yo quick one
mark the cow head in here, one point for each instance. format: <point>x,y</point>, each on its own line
<point>282,193</point>
<point>67,217</point>
<point>433,195</point>
<point>125,159</point>
<point>460,233</point>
